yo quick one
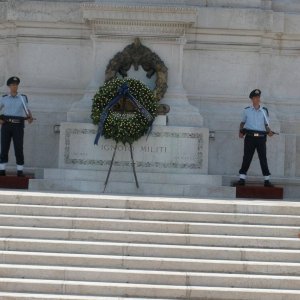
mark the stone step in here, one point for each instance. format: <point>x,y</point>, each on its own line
<point>142,290</point>
<point>35,296</point>
<point>149,263</point>
<point>150,237</point>
<point>129,188</point>
<point>149,250</point>
<point>149,226</point>
<point>173,278</point>
<point>151,203</point>
<point>100,176</point>
<point>58,246</point>
<point>153,215</point>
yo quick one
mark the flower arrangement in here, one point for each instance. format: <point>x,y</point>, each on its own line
<point>123,125</point>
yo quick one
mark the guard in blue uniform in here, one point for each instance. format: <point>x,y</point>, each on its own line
<point>15,110</point>
<point>255,128</point>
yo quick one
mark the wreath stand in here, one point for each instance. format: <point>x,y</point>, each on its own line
<point>111,164</point>
<point>149,115</point>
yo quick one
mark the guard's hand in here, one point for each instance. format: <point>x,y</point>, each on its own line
<point>30,120</point>
<point>2,122</point>
<point>241,135</point>
<point>270,133</point>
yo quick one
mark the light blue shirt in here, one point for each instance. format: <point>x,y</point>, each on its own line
<point>14,105</point>
<point>255,119</point>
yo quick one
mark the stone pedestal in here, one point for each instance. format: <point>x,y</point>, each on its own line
<point>172,161</point>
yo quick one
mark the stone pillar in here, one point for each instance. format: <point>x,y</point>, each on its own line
<point>81,110</point>
<point>182,113</point>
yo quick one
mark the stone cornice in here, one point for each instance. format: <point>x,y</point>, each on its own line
<point>134,28</point>
<point>138,19</point>
<point>139,8</point>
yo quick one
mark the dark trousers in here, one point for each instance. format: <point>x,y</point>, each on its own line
<point>250,145</point>
<point>15,132</point>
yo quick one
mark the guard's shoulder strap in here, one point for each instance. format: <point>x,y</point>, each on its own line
<point>266,110</point>
<point>25,96</point>
<point>247,107</point>
<point>25,105</point>
<point>4,95</point>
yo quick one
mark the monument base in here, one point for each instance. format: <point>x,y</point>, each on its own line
<point>172,161</point>
<point>123,183</point>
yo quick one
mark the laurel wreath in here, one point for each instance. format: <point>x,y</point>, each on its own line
<point>124,126</point>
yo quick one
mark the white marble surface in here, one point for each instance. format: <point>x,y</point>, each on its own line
<point>168,149</point>
<point>216,51</point>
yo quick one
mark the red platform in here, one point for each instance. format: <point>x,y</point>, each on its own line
<point>259,192</point>
<point>15,182</point>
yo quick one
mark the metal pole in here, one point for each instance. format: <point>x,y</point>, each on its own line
<point>133,167</point>
<point>111,163</point>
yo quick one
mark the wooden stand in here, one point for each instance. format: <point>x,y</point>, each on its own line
<point>259,192</point>
<point>15,182</point>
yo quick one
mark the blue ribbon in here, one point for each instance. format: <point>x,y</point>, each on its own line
<point>122,92</point>
<point>140,107</point>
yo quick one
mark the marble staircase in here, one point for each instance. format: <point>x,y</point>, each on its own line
<point>74,246</point>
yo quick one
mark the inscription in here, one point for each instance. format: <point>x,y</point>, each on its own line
<point>162,150</point>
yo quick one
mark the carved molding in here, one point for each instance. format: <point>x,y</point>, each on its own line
<point>134,28</point>
<point>138,20</point>
<point>139,8</point>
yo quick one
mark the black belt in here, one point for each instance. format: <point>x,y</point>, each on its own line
<point>13,120</point>
<point>254,133</point>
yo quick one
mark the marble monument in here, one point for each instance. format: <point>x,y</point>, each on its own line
<point>216,52</point>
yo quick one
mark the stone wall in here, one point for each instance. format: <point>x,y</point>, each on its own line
<point>229,48</point>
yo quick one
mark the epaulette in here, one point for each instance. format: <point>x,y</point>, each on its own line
<point>247,107</point>
<point>266,110</point>
<point>4,95</point>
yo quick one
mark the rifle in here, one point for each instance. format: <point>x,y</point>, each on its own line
<point>277,133</point>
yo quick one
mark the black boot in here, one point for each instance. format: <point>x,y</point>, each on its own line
<point>2,173</point>
<point>20,174</point>
<point>267,183</point>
